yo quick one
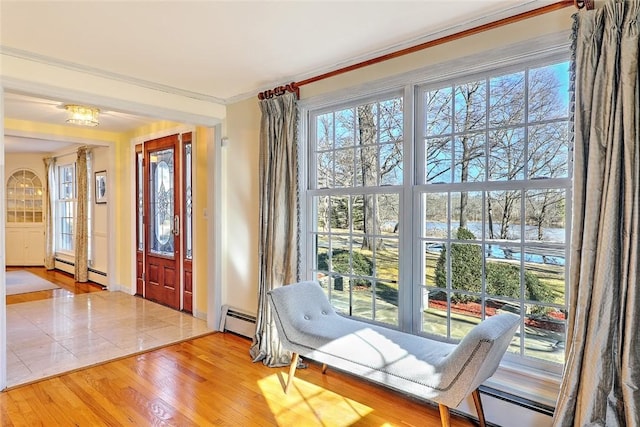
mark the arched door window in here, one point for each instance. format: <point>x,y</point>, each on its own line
<point>24,197</point>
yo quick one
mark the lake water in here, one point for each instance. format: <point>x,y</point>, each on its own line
<point>510,249</point>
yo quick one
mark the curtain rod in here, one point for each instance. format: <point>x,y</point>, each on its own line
<point>280,90</point>
<point>459,35</point>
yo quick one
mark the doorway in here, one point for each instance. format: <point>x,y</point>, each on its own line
<point>164,251</point>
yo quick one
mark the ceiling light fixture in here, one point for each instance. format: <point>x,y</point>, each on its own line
<point>81,115</point>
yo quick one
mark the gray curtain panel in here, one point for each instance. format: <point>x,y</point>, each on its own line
<point>278,229</point>
<point>602,372</point>
<point>49,194</point>
<point>81,220</point>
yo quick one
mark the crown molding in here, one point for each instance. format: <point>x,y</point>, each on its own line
<point>72,66</point>
<point>52,92</point>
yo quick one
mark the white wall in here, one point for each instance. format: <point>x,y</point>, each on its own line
<point>100,242</point>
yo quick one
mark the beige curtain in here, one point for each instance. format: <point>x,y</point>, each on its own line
<point>602,372</point>
<point>49,203</point>
<point>278,229</point>
<point>81,220</point>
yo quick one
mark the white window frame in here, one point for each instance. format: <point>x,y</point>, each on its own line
<point>60,202</point>
<point>546,49</point>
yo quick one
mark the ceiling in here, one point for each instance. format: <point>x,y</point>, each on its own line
<point>222,51</point>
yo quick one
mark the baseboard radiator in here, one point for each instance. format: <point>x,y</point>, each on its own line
<point>237,321</point>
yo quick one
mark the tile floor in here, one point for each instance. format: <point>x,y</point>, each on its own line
<point>51,336</point>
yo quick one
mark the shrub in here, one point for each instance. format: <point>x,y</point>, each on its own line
<point>362,265</point>
<point>502,279</point>
<point>466,266</point>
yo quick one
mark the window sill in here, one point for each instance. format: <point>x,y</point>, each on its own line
<point>65,256</point>
<point>534,388</point>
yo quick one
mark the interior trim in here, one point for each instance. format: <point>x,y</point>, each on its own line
<point>73,66</point>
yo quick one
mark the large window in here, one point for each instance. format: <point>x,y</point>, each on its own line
<point>467,219</point>
<point>493,205</point>
<point>65,207</point>
<point>357,177</point>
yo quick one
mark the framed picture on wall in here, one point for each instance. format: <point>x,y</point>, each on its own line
<point>101,187</point>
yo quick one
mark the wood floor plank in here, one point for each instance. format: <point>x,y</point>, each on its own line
<point>202,382</point>
<point>209,381</point>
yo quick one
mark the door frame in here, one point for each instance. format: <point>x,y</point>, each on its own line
<point>138,144</point>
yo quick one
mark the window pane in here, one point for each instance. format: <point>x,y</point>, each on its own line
<point>321,209</point>
<point>387,260</point>
<point>367,131</point>
<point>362,297</point>
<point>368,167</point>
<point>436,215</point>
<point>545,333</point>
<point>506,158</point>
<point>549,150</point>
<point>340,214</point>
<point>391,164</point>
<point>360,205</point>
<point>466,312</point>
<point>386,302</point>
<point>466,267</point>
<point>545,213</point>
<point>324,169</point>
<point>503,215</point>
<point>548,92</point>
<point>345,128</point>
<point>340,293</point>
<point>435,313</point>
<point>161,203</point>
<point>345,168</point>
<point>507,100</point>
<point>438,160</point>
<point>502,274</point>
<point>470,158</point>
<point>466,213</point>
<point>324,129</point>
<point>438,109</point>
<point>435,264</point>
<point>388,212</point>
<point>391,121</point>
<point>470,106</point>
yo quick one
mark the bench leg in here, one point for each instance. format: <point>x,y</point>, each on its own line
<point>479,410</point>
<point>324,368</point>
<point>445,417</point>
<point>292,371</point>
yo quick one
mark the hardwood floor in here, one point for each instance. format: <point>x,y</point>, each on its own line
<point>209,381</point>
<point>68,286</point>
<point>203,382</point>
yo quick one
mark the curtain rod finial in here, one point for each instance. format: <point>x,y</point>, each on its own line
<point>584,4</point>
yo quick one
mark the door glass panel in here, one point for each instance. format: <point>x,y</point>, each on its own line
<point>161,204</point>
<point>188,203</point>
<point>140,201</point>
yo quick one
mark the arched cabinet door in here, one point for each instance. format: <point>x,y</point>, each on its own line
<point>24,219</point>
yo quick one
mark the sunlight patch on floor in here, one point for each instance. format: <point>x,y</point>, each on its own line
<point>308,404</point>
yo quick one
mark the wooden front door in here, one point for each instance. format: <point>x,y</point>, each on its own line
<point>162,221</point>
